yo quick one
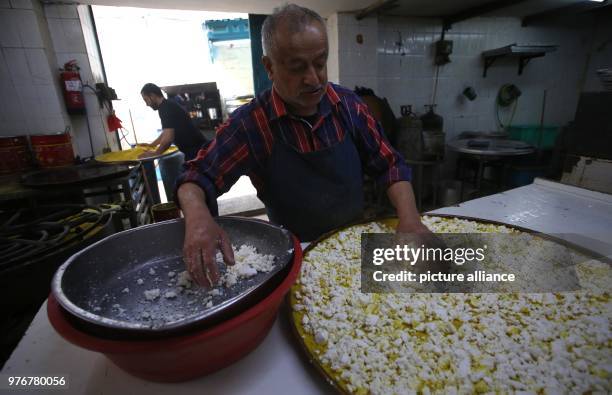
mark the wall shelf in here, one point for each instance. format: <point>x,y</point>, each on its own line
<point>524,53</point>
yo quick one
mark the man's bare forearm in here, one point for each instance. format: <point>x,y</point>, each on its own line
<point>165,141</point>
<point>193,202</point>
<point>402,198</point>
<point>155,142</point>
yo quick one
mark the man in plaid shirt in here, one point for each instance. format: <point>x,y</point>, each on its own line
<point>305,144</point>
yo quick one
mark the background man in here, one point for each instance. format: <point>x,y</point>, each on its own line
<point>177,127</point>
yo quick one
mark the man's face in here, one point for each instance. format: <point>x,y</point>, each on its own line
<point>297,65</point>
<point>151,101</point>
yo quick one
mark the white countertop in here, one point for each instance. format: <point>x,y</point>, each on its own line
<point>278,366</point>
<point>275,367</point>
<point>575,214</point>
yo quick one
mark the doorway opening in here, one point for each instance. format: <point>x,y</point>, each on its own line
<point>175,48</point>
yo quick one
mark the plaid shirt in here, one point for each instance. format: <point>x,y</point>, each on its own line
<point>244,142</point>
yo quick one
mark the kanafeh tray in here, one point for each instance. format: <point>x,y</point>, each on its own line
<point>449,343</point>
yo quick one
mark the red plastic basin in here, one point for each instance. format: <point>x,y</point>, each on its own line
<point>189,356</point>
<point>52,150</point>
<point>14,154</point>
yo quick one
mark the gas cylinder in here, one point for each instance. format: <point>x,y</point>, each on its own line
<point>433,134</point>
<point>409,139</point>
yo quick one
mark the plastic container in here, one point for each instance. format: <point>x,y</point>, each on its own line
<point>186,357</point>
<point>52,150</point>
<point>524,175</point>
<point>531,135</point>
<point>165,212</point>
<point>14,154</point>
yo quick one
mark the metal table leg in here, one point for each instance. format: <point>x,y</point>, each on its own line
<point>148,167</point>
<point>170,168</point>
<point>434,184</point>
<point>420,186</point>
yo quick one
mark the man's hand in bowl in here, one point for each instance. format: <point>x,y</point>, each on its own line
<point>203,237</point>
<point>200,249</point>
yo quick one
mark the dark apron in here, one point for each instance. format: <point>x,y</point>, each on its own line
<point>314,192</point>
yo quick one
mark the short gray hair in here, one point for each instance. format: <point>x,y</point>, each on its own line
<point>294,16</point>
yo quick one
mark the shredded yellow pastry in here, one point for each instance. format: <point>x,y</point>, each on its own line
<point>130,154</point>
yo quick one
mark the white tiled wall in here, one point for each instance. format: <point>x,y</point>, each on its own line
<point>357,62</point>
<point>333,67</point>
<point>71,32</point>
<point>396,60</point>
<point>30,102</point>
<point>23,4</point>
<point>91,43</point>
<point>34,44</point>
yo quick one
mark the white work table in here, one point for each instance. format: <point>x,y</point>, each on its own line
<point>278,366</point>
<point>578,215</point>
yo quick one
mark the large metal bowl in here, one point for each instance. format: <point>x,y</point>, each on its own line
<point>102,287</point>
<point>191,355</point>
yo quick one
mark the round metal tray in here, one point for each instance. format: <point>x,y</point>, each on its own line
<point>170,151</point>
<point>295,316</point>
<point>76,175</point>
<point>100,289</point>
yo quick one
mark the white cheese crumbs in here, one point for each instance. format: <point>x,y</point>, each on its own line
<point>184,279</point>
<point>125,290</point>
<point>248,262</point>
<point>118,308</point>
<point>451,343</point>
<point>371,320</point>
<point>152,294</point>
<point>321,336</point>
<point>179,284</point>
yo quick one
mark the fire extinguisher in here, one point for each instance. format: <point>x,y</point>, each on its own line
<point>72,86</point>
